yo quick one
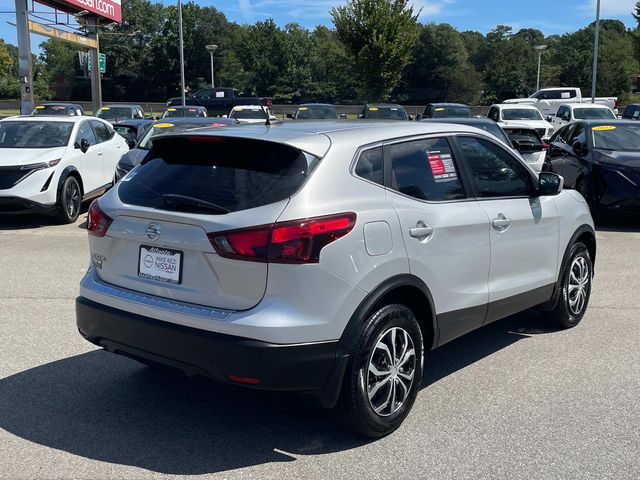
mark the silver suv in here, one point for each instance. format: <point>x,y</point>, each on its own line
<point>328,258</point>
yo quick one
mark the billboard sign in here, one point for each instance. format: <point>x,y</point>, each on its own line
<point>109,9</point>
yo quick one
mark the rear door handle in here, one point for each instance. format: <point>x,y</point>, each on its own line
<point>100,152</point>
<point>501,222</point>
<point>421,231</point>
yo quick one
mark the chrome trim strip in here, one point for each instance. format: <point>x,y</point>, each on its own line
<point>91,282</point>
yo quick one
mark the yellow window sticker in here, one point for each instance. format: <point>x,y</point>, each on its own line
<point>302,109</point>
<point>171,109</point>
<point>105,108</point>
<point>603,128</point>
<point>164,125</point>
<point>373,109</point>
<point>40,107</point>
<point>440,109</point>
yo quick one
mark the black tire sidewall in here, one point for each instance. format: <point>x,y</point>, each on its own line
<point>354,395</point>
<point>63,214</point>
<point>564,315</point>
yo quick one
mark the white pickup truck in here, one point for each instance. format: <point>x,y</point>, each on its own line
<point>548,100</point>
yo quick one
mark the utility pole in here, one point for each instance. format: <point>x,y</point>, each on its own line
<point>182,82</point>
<point>211,49</point>
<point>25,68</point>
<point>96,80</point>
<point>595,55</point>
<point>540,49</point>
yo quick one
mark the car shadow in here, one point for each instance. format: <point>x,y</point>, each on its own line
<point>29,221</point>
<point>619,224</point>
<point>109,408</point>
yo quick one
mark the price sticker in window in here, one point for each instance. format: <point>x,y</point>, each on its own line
<point>442,167</point>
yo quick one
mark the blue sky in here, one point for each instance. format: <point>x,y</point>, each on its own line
<point>550,16</point>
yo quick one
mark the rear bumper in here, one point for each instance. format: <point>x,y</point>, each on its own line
<point>310,367</point>
<point>18,205</point>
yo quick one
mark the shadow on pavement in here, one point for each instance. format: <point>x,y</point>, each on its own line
<point>108,408</point>
<point>31,220</point>
<point>619,224</point>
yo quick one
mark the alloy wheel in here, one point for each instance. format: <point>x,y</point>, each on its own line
<point>578,287</point>
<point>390,373</point>
<point>72,199</point>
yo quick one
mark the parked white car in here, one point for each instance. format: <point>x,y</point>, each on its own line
<point>521,115</point>
<point>251,114</point>
<point>529,145</point>
<point>53,164</point>
<point>548,100</point>
<point>570,112</point>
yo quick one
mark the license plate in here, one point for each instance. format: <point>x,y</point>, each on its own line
<point>160,264</point>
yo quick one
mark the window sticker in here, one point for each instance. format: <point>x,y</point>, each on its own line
<point>440,109</point>
<point>171,109</point>
<point>603,128</point>
<point>565,95</point>
<point>163,125</point>
<point>442,167</point>
<point>219,94</point>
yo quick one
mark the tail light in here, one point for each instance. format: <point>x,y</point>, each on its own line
<point>98,222</point>
<point>545,146</point>
<point>296,242</point>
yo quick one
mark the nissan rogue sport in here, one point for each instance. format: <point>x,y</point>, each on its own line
<point>328,258</point>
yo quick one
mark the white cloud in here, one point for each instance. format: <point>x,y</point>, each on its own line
<point>246,8</point>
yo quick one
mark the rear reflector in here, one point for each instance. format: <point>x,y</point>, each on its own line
<point>296,242</point>
<point>245,380</point>
<point>98,222</point>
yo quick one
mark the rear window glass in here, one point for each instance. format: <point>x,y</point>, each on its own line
<point>216,175</point>
<point>451,112</point>
<point>527,138</point>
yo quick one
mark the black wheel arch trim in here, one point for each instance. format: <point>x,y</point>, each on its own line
<point>63,176</point>
<point>374,297</point>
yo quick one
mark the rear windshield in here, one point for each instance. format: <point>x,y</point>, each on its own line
<point>248,114</point>
<point>216,175</point>
<point>316,113</point>
<point>521,114</point>
<point>113,113</point>
<point>592,113</point>
<point>527,138</point>
<point>181,112</point>
<point>451,112</point>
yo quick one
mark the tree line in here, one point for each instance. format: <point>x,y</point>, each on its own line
<point>377,50</point>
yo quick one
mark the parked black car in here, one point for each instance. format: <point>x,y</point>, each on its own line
<point>58,108</point>
<point>117,113</point>
<point>631,112</point>
<point>134,156</point>
<point>384,111</point>
<point>132,130</point>
<point>218,101</point>
<point>186,111</point>
<point>601,160</point>
<point>447,110</point>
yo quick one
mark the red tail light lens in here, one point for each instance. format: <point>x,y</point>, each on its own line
<point>545,146</point>
<point>98,222</point>
<point>297,242</point>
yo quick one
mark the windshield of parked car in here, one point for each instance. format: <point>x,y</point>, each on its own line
<point>113,113</point>
<point>180,112</point>
<point>521,114</point>
<point>240,113</point>
<point>316,113</point>
<point>619,138</point>
<point>166,127</point>
<point>386,113</point>
<point>452,112</point>
<point>40,134</point>
<point>592,113</point>
<point>51,110</point>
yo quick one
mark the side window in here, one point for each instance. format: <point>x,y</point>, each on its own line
<point>577,135</point>
<point>494,171</point>
<point>573,94</point>
<point>425,169</point>
<point>102,131</point>
<point>560,112</point>
<point>370,165</point>
<point>494,114</point>
<point>85,132</point>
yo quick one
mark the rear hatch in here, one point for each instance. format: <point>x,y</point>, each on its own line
<point>190,187</point>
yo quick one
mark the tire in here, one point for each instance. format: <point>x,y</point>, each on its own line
<point>70,200</point>
<point>577,275</point>
<point>396,391</point>
<point>585,189</point>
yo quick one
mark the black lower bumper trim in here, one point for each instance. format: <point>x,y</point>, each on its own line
<point>302,368</point>
<point>17,205</point>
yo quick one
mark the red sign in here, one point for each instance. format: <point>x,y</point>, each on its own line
<point>436,164</point>
<point>110,9</point>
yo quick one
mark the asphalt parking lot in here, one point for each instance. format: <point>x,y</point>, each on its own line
<point>514,400</point>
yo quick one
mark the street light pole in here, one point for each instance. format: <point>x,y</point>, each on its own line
<point>595,55</point>
<point>540,49</point>
<point>182,82</point>
<point>212,49</point>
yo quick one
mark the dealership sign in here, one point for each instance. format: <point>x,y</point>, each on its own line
<point>110,9</point>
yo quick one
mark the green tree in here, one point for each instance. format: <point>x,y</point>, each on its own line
<point>9,86</point>
<point>380,34</point>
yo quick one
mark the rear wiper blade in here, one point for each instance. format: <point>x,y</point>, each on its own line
<point>174,199</point>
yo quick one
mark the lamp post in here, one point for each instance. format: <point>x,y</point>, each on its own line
<point>595,55</point>
<point>540,49</point>
<point>212,49</point>
<point>182,82</point>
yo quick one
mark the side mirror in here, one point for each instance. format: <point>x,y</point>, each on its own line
<point>83,146</point>
<point>549,118</point>
<point>342,116</point>
<point>580,148</point>
<point>550,183</point>
<point>131,142</point>
<point>418,117</point>
<point>361,116</point>
<point>290,116</point>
